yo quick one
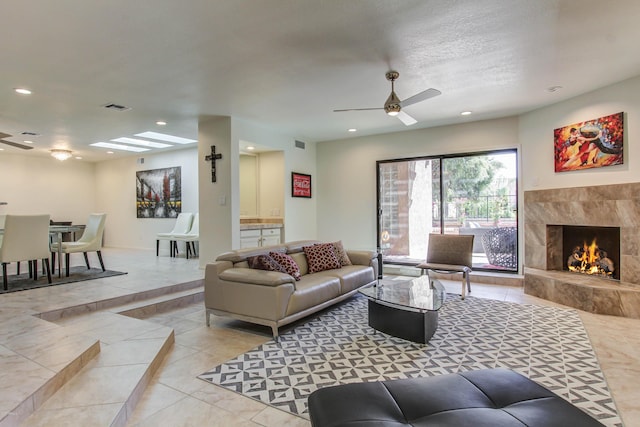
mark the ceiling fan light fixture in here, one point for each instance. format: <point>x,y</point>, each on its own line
<point>61,154</point>
<point>392,105</point>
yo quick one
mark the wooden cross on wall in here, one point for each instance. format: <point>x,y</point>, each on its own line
<point>213,157</point>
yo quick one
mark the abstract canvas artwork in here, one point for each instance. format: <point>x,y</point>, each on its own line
<point>159,193</point>
<point>589,144</point>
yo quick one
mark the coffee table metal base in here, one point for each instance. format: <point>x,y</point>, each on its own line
<point>409,325</point>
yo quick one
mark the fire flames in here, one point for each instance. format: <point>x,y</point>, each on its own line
<point>590,259</point>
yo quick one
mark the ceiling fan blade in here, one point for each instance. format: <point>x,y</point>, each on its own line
<point>406,119</point>
<point>425,94</point>
<point>356,109</point>
<point>15,144</point>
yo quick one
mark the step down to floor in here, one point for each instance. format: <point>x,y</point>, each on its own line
<point>41,360</point>
<point>106,391</point>
<point>105,358</point>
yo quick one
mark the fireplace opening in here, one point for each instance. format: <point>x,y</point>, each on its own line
<point>592,250</point>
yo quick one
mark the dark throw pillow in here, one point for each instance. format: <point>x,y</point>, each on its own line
<point>288,264</point>
<point>321,257</point>
<point>265,262</point>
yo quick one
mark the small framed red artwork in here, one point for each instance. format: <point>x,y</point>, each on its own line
<point>300,185</point>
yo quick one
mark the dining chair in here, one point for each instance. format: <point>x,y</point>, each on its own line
<point>182,226</point>
<point>90,241</point>
<point>26,238</point>
<point>191,237</point>
<point>450,254</point>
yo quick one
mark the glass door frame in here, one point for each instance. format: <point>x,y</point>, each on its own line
<point>442,158</point>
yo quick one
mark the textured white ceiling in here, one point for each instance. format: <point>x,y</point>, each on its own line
<point>289,63</point>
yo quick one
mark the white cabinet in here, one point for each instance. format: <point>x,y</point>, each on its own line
<point>250,238</point>
<point>270,236</point>
<point>259,237</point>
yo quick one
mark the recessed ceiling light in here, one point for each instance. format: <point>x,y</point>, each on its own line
<point>28,142</point>
<point>109,152</point>
<point>22,91</point>
<point>251,147</point>
<point>352,130</point>
<point>165,137</point>
<point>118,147</point>
<point>78,158</point>
<point>552,89</point>
<point>141,142</point>
<point>465,113</point>
<point>161,123</point>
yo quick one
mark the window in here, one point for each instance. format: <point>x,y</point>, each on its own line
<point>462,194</point>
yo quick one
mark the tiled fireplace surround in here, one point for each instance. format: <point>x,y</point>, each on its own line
<point>602,206</point>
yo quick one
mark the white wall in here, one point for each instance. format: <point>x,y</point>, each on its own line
<point>115,191</point>
<point>536,137</point>
<point>43,185</point>
<point>271,183</point>
<point>217,223</point>
<point>299,214</point>
<point>346,184</point>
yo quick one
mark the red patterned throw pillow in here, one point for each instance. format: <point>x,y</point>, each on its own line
<point>321,257</point>
<point>265,262</point>
<point>287,263</point>
<point>341,254</point>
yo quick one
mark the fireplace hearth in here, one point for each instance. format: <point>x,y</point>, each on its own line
<point>584,227</point>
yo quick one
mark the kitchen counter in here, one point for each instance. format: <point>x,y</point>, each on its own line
<point>260,226</point>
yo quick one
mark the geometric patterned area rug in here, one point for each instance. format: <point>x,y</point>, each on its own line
<point>546,344</point>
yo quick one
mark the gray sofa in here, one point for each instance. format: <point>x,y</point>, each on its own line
<point>272,298</point>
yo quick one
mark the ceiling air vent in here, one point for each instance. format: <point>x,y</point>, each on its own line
<point>300,144</point>
<point>117,107</point>
<point>27,133</point>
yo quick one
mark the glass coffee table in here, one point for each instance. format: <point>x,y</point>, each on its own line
<point>406,309</point>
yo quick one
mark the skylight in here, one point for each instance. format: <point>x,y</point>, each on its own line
<point>119,147</point>
<point>141,142</point>
<point>165,137</point>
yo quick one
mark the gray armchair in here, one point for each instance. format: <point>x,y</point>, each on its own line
<point>450,254</point>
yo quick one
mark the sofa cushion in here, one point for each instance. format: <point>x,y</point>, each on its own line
<point>313,290</point>
<point>240,255</point>
<point>301,259</point>
<point>341,254</point>
<point>255,277</point>
<point>287,263</point>
<point>320,257</point>
<point>352,276</point>
<point>296,246</point>
<point>266,262</point>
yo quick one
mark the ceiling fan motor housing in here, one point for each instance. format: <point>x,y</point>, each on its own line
<point>392,105</point>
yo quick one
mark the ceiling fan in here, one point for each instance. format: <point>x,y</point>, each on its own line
<point>13,144</point>
<point>393,106</point>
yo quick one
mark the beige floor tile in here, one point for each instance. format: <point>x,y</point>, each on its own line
<point>271,417</point>
<point>96,415</point>
<point>189,412</point>
<point>97,385</point>
<point>129,352</point>
<point>236,403</point>
<point>156,398</point>
<point>175,396</point>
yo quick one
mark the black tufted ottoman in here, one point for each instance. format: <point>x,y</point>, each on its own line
<point>489,397</point>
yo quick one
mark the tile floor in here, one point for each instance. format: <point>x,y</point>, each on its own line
<point>143,372</point>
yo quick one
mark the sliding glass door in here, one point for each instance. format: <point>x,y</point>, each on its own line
<point>463,194</point>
